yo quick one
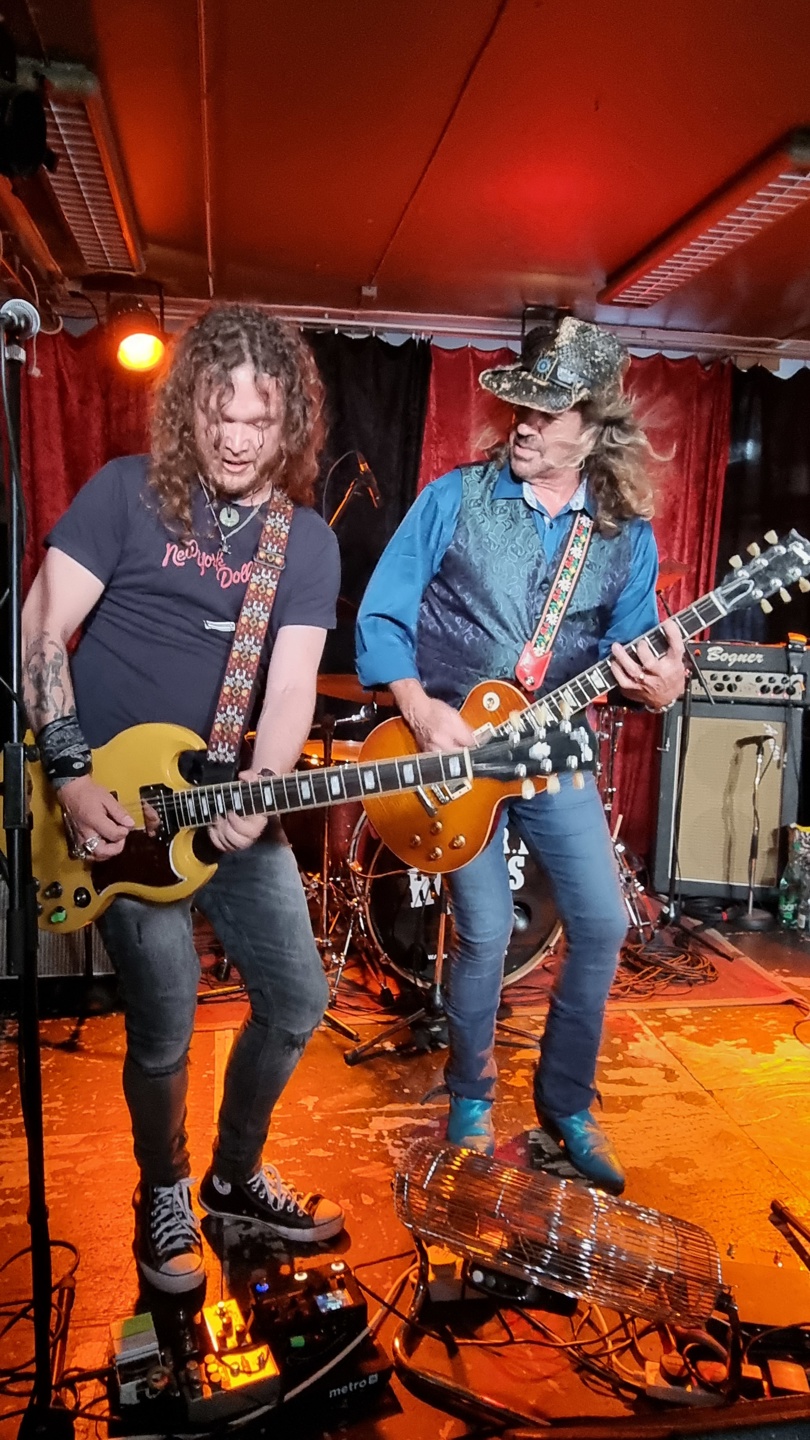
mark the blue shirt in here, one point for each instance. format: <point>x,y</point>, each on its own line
<point>386,624</point>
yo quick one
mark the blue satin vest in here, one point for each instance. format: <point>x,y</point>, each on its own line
<point>484,602</point>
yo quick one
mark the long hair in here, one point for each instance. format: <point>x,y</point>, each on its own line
<point>621,464</point>
<point>203,359</point>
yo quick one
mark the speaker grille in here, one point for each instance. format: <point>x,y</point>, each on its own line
<point>717,813</point>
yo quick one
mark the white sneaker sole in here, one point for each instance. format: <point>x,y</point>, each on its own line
<point>311,1236</point>
<point>172,1284</point>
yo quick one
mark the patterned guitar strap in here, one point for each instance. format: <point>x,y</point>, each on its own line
<point>536,654</point>
<point>248,641</point>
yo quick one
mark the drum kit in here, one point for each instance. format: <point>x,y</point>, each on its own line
<point>370,903</point>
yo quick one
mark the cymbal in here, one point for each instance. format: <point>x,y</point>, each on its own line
<point>668,572</point>
<point>348,687</point>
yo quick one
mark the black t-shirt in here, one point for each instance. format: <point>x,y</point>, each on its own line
<point>156,644</point>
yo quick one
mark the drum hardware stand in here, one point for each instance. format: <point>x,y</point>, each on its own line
<point>433,1009</point>
<point>432,1013</point>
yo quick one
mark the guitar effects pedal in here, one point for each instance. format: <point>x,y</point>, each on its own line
<point>235,1374</point>
<point>319,1312</point>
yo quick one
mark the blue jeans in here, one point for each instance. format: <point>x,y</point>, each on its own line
<point>568,835</point>
<point>256,904</point>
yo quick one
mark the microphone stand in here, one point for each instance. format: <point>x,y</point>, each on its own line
<point>43,1417</point>
<point>752,917</point>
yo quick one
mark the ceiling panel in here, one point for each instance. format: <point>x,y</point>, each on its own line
<point>457,167</point>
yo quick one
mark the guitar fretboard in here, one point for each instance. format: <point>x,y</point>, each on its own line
<point>199,805</point>
<point>592,684</point>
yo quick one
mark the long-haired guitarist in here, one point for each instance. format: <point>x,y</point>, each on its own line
<point>456,599</point>
<point>151,562</point>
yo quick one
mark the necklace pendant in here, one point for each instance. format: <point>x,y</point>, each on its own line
<point>229,515</point>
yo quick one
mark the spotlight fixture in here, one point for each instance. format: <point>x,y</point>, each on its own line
<point>774,185</point>
<point>135,334</point>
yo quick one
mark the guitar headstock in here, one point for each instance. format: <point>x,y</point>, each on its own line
<point>521,756</point>
<point>767,572</point>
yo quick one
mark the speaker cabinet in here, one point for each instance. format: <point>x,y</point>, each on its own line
<point>717,812</point>
<point>81,953</point>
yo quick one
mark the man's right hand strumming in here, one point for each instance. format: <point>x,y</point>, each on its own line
<point>434,724</point>
<point>97,825</point>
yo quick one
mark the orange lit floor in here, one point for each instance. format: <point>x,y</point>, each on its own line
<point>709,1109</point>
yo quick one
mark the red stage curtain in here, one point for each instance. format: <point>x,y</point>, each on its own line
<point>80,412</point>
<point>686,408</point>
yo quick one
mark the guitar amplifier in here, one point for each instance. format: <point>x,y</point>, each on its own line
<point>739,671</point>
<point>717,811</point>
<point>79,953</point>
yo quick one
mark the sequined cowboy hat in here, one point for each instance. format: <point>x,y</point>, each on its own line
<point>558,367</point>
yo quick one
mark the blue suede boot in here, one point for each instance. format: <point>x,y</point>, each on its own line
<point>469,1124</point>
<point>589,1149</point>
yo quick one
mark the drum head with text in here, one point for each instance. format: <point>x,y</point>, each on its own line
<point>402,908</point>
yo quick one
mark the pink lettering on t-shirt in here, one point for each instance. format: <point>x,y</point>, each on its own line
<point>226,577</point>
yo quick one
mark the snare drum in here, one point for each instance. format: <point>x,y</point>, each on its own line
<point>401,907</point>
<point>305,828</point>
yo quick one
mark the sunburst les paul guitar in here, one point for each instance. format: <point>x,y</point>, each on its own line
<point>147,769</point>
<point>441,829</point>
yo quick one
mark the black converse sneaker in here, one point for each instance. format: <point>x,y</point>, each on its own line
<point>167,1247</point>
<point>265,1199</point>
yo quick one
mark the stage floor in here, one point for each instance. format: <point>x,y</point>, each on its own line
<point>709,1109</point>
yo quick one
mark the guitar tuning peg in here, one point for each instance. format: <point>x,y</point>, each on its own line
<point>771,537</point>
<point>785,596</point>
<point>527,790</point>
<point>565,710</point>
<point>804,584</point>
<point>735,562</point>
<point>515,719</point>
<point>753,549</point>
<point>766,607</point>
<point>579,780</point>
<point>553,785</point>
<point>543,715</point>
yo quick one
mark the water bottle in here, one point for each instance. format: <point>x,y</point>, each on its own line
<point>803,908</point>
<point>790,885</point>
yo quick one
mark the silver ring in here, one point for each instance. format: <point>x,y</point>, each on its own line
<point>88,848</point>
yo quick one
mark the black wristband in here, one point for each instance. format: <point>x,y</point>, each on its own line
<point>63,750</point>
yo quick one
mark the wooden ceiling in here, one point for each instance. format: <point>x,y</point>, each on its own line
<point>459,156</point>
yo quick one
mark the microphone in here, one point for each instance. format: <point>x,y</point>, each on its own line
<point>768,733</point>
<point>366,474</point>
<point>19,316</point>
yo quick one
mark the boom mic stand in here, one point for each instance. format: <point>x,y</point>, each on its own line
<point>18,321</point>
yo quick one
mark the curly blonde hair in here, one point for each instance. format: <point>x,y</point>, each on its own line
<point>202,361</point>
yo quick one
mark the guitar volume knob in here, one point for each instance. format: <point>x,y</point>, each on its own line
<point>458,842</point>
<point>416,841</point>
<point>436,828</point>
<point>436,853</point>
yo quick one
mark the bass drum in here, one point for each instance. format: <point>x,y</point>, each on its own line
<point>401,908</point>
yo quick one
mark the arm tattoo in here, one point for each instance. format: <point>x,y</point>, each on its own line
<point>47,689</point>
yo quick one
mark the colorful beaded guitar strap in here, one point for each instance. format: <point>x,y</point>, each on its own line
<point>251,628</point>
<point>536,654</point>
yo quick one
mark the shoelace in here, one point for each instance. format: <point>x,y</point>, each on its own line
<point>173,1221</point>
<point>269,1186</point>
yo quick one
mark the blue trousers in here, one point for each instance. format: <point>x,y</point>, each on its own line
<point>256,905</point>
<point>567,835</point>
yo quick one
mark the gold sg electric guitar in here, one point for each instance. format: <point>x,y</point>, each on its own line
<point>437,829</point>
<point>148,767</point>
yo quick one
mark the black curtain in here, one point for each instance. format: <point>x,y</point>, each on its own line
<point>376,398</point>
<point>767,488</point>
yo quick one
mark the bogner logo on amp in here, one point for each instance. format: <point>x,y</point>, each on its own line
<point>716,655</point>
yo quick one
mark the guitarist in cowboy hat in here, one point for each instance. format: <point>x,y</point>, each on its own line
<point>456,599</point>
<point>152,561</point>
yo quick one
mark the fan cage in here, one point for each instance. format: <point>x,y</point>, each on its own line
<point>558,1234</point>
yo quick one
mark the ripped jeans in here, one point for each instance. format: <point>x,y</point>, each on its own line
<point>256,905</point>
